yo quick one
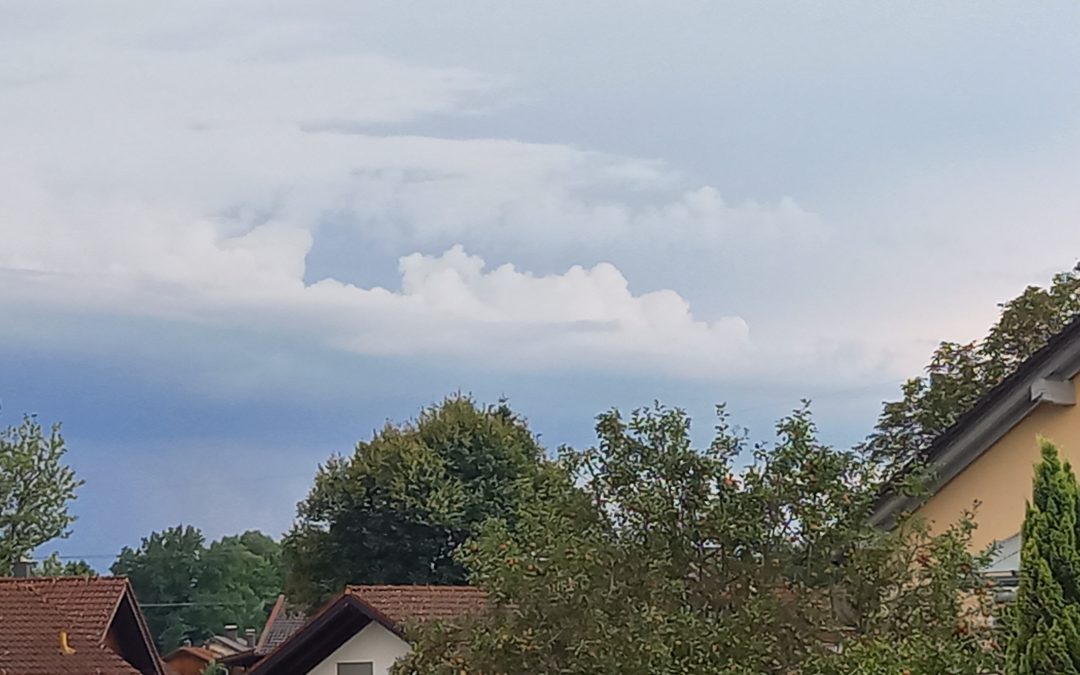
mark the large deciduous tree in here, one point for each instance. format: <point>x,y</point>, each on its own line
<point>960,374</point>
<point>55,566</point>
<point>36,487</point>
<point>648,555</point>
<point>397,508</point>
<point>190,590</point>
<point>1045,619</point>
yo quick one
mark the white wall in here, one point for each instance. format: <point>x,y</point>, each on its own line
<point>373,643</point>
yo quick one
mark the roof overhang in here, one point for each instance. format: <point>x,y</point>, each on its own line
<point>1043,380</point>
<point>339,620</point>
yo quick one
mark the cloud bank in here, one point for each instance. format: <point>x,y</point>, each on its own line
<point>191,182</point>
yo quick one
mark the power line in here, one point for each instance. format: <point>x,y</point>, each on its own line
<point>192,604</point>
<point>95,556</point>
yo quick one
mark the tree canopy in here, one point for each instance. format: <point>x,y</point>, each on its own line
<point>959,374</point>
<point>648,555</point>
<point>36,488</point>
<point>396,510</point>
<point>190,591</point>
<point>55,566</point>
<point>1045,619</point>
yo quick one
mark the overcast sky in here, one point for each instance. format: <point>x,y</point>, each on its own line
<point>236,237</point>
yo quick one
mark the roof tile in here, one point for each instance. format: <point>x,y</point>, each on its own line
<point>417,604</point>
<point>31,625</point>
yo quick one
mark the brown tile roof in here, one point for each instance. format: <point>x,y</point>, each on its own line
<point>342,617</point>
<point>412,604</point>
<point>90,602</point>
<point>32,623</point>
<point>284,620</point>
<point>198,652</point>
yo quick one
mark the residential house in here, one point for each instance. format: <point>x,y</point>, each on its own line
<point>284,620</point>
<point>73,626</point>
<point>988,456</point>
<point>230,642</point>
<point>361,632</point>
<point>188,660</point>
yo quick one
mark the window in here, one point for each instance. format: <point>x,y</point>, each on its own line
<point>364,668</point>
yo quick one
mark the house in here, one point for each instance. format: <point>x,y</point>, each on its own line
<point>284,620</point>
<point>188,660</point>
<point>361,632</point>
<point>73,626</point>
<point>230,642</point>
<point>988,456</point>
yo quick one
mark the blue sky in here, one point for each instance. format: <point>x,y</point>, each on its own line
<point>237,237</point>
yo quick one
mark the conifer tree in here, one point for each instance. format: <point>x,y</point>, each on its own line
<point>1045,630</point>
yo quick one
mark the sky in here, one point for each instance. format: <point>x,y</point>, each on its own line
<point>237,237</point>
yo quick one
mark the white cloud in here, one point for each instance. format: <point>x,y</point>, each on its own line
<point>189,178</point>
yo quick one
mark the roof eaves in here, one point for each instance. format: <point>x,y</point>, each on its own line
<point>1002,408</point>
<point>328,613</point>
<point>144,629</point>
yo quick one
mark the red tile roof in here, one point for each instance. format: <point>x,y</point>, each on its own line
<point>342,617</point>
<point>90,602</point>
<point>198,652</point>
<point>31,628</point>
<point>413,604</point>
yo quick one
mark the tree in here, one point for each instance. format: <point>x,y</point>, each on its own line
<point>647,555</point>
<point>190,591</point>
<point>54,566</point>
<point>164,571</point>
<point>239,579</point>
<point>1045,619</point>
<point>960,374</point>
<point>397,509</point>
<point>36,487</point>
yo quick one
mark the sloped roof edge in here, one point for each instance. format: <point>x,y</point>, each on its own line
<point>1002,408</point>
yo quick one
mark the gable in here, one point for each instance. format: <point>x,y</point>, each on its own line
<point>374,644</point>
<point>38,638</point>
<point>321,637</point>
<point>93,611</point>
<point>1042,383</point>
<point>368,619</point>
<point>129,637</point>
<point>1000,478</point>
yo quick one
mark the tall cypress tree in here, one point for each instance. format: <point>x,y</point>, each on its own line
<point>1046,617</point>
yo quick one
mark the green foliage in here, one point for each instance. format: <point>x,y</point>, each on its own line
<point>396,510</point>
<point>1045,620</point>
<point>53,566</point>
<point>215,668</point>
<point>233,580</point>
<point>647,555</point>
<point>35,489</point>
<point>960,374</point>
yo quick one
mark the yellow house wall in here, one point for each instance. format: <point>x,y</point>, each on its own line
<point>1001,478</point>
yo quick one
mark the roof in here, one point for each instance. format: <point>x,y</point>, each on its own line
<point>90,602</point>
<point>992,416</point>
<point>284,620</point>
<point>343,617</point>
<point>417,604</point>
<point>198,652</point>
<point>233,645</point>
<point>1006,558</point>
<point>35,617</point>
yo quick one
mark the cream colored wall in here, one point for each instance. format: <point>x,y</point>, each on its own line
<point>373,643</point>
<point>1001,478</point>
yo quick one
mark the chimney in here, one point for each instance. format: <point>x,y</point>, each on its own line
<point>230,631</point>
<point>249,634</point>
<point>22,568</point>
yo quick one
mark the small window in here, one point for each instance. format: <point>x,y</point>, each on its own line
<point>365,668</point>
